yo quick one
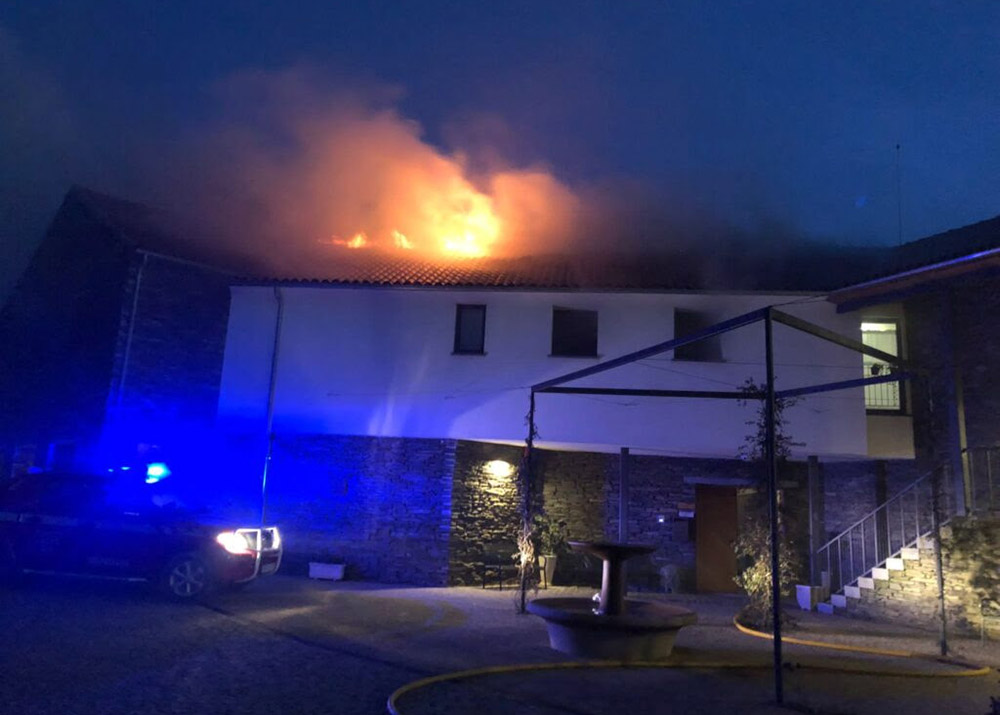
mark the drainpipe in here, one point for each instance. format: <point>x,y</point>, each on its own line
<point>271,388</point>
<point>120,390</point>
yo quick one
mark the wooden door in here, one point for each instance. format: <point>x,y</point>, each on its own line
<point>715,532</point>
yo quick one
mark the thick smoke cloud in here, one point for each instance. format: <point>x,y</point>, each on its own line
<point>288,168</point>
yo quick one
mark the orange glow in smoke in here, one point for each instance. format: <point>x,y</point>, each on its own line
<point>401,241</point>
<point>469,229</point>
<point>358,240</point>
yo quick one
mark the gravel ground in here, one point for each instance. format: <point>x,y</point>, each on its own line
<point>294,646</point>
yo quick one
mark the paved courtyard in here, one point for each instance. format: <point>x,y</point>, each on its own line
<point>292,645</point>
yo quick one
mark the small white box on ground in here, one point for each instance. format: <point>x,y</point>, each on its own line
<point>809,596</point>
<point>328,572</point>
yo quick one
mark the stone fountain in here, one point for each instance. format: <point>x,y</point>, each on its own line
<point>617,628</point>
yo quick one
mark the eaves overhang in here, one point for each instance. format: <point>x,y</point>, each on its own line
<point>900,285</point>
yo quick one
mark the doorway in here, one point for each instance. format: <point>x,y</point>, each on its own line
<point>715,531</point>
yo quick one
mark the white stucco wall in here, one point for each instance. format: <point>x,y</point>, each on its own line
<point>378,361</point>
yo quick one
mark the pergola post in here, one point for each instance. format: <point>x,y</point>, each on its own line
<point>526,479</point>
<point>623,496</point>
<point>771,460</point>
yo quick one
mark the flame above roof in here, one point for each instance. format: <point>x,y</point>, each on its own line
<point>734,266</point>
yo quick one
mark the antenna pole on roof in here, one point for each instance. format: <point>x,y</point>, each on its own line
<point>899,197</point>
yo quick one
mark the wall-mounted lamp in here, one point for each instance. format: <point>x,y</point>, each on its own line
<point>498,469</point>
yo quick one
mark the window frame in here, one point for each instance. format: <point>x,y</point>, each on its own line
<point>706,350</point>
<point>579,312</point>
<point>901,385</point>
<point>457,344</point>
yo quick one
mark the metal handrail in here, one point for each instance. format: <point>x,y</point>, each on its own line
<point>875,538</point>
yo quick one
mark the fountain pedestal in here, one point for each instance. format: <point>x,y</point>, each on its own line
<point>618,628</point>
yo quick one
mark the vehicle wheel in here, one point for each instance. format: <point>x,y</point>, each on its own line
<point>186,577</point>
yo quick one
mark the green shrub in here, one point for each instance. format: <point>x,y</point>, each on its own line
<point>753,554</point>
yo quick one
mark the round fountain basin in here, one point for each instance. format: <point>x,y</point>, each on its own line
<point>644,631</point>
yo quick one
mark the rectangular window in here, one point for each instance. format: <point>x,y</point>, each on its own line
<point>470,329</point>
<point>687,322</point>
<point>884,336</point>
<point>574,332</point>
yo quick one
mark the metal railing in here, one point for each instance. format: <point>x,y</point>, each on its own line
<point>884,532</point>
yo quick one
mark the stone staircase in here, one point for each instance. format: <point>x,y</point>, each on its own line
<point>862,582</point>
<point>892,588</point>
<point>905,588</point>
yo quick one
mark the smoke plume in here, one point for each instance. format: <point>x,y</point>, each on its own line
<point>286,169</point>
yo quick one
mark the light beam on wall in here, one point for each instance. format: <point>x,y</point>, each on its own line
<point>499,469</point>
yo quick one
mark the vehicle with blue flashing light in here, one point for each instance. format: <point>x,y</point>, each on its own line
<point>125,527</point>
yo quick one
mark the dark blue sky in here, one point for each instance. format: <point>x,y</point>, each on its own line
<point>759,113</point>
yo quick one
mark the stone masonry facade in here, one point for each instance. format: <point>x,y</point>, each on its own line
<point>853,489</point>
<point>951,332</point>
<point>430,512</point>
<point>909,592</point>
<point>381,505</point>
<point>171,338</point>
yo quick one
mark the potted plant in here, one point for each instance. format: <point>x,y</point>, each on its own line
<point>549,541</point>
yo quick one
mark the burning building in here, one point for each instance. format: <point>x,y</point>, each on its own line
<point>375,386</point>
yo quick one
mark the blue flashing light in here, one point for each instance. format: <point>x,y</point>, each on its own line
<point>125,468</point>
<point>155,471</point>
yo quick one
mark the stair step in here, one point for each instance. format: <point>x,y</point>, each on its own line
<point>880,574</point>
<point>895,564</point>
<point>866,582</point>
<point>852,591</point>
<point>910,554</point>
<point>839,600</point>
<point>826,608</point>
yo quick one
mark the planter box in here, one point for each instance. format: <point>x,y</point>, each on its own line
<point>328,572</point>
<point>809,596</point>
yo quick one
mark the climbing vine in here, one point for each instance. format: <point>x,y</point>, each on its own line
<point>753,545</point>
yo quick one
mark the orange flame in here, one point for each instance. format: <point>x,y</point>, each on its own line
<point>401,241</point>
<point>358,240</point>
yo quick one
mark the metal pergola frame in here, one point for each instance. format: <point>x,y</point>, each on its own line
<point>902,370</point>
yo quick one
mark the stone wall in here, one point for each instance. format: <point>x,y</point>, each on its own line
<point>951,334</point>
<point>976,308</point>
<point>431,511</point>
<point>580,489</point>
<point>911,595</point>
<point>852,489</point>
<point>168,356</point>
<point>486,509</point>
<point>381,505</point>
<point>58,327</point>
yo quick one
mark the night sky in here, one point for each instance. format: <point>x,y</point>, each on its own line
<point>763,116</point>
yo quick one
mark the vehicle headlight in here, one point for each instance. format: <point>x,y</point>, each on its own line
<point>234,542</point>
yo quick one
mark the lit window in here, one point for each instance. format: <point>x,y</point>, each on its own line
<point>882,336</point>
<point>574,332</point>
<point>470,329</point>
<point>687,322</point>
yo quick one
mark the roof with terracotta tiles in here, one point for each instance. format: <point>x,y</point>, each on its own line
<point>809,267</point>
